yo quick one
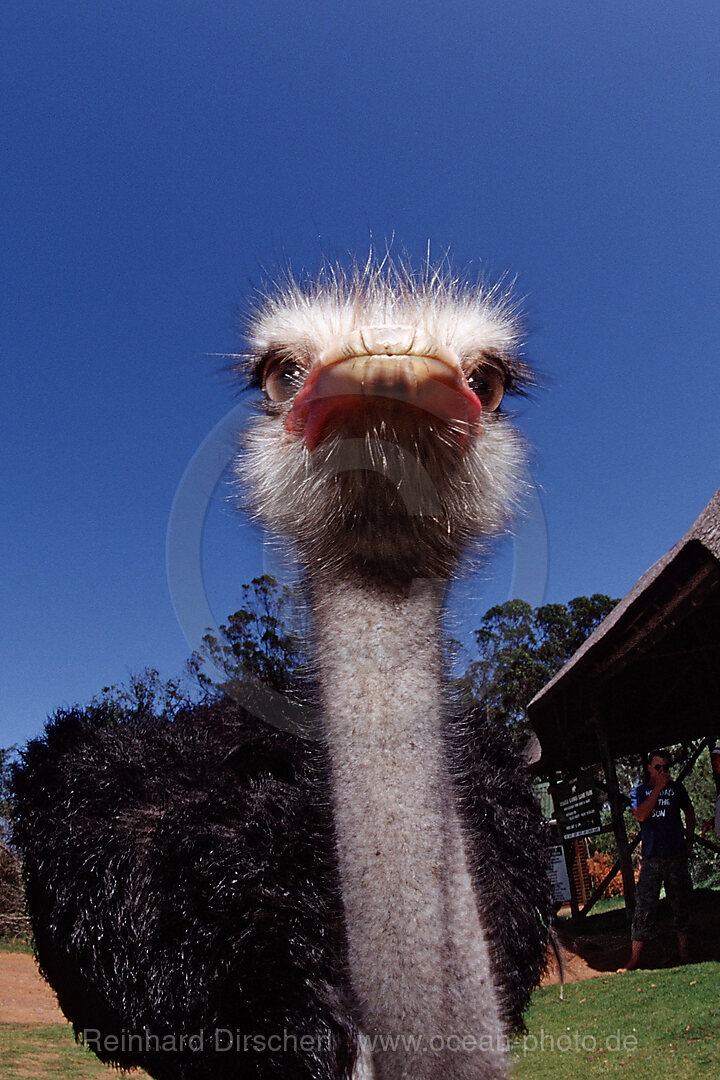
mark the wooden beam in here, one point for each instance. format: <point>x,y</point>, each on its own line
<point>693,754</point>
<point>616,810</point>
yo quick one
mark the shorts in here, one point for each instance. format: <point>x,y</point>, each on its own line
<point>656,869</point>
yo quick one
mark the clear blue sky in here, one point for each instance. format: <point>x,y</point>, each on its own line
<point>160,155</point>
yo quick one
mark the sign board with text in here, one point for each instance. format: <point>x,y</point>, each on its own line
<point>559,879</point>
<point>577,807</point>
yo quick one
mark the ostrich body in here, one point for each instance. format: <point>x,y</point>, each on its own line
<point>410,922</point>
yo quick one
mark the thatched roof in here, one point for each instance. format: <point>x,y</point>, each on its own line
<point>650,671</point>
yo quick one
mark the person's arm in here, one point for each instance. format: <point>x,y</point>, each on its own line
<point>645,809</point>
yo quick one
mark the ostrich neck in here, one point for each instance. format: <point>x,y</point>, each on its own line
<point>418,955</point>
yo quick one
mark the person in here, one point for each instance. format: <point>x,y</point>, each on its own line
<point>715,763</point>
<point>658,804</point>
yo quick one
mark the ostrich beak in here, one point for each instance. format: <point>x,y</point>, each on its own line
<point>383,374</point>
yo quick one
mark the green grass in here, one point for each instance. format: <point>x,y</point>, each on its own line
<point>664,1024</point>
<point>15,945</point>
<point>607,903</point>
<point>39,1052</point>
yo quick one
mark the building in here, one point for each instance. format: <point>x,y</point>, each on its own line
<point>648,676</point>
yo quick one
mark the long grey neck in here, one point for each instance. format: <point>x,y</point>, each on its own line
<point>419,959</point>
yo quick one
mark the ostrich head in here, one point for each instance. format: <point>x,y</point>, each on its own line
<point>383,448</point>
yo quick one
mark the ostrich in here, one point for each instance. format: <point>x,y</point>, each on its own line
<point>380,891</point>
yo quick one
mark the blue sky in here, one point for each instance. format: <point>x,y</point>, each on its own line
<point>160,156</point>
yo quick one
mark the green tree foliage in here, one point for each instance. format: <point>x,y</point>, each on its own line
<point>6,757</point>
<point>520,648</point>
<point>264,639</point>
<point>13,919</point>
<point>147,694</point>
<point>704,864</point>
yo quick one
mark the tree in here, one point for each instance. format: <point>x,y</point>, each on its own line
<point>145,693</point>
<point>264,639</point>
<point>13,918</point>
<point>6,757</point>
<point>520,648</point>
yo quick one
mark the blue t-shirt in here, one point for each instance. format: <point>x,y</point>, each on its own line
<point>663,833</point>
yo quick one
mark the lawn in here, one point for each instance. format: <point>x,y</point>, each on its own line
<point>15,945</point>
<point>36,1052</point>
<point>659,1023</point>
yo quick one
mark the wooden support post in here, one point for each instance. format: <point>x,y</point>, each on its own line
<point>570,857</point>
<point>616,809</point>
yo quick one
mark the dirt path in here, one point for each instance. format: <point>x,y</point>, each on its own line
<point>574,968</point>
<point>25,997</point>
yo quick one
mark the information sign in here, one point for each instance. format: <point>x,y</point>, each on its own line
<point>577,807</point>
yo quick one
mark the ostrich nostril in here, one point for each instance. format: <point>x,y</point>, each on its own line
<point>394,340</point>
<point>376,340</point>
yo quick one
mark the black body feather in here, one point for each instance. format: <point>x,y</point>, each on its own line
<point>181,881</point>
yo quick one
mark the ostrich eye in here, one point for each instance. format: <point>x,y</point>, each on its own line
<point>282,378</point>
<point>487,383</point>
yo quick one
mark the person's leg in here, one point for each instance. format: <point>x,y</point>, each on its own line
<point>635,950</point>
<point>647,894</point>
<point>678,888</point>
